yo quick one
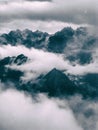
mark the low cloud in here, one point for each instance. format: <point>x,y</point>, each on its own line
<point>19,112</point>
<point>42,62</point>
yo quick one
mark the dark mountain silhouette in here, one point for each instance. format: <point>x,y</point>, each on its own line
<point>56,42</point>
<point>26,37</point>
<point>57,83</point>
<point>9,75</point>
<point>59,40</point>
<point>81,57</point>
<point>20,59</point>
<point>76,45</point>
<point>92,79</point>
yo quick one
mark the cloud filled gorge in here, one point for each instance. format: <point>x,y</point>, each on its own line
<point>37,13</point>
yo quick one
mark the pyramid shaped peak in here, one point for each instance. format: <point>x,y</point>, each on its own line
<point>57,83</point>
<point>54,70</point>
<point>55,74</point>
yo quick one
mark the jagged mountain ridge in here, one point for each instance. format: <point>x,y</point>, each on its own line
<point>25,37</point>
<point>74,44</point>
<point>11,75</point>
<point>54,82</point>
<point>20,59</point>
<point>57,83</point>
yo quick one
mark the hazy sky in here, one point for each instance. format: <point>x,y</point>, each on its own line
<point>47,15</point>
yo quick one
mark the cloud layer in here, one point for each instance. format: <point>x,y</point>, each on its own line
<point>19,112</point>
<point>42,62</point>
<point>77,12</point>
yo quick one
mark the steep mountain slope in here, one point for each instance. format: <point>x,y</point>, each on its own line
<point>26,37</point>
<point>9,75</point>
<point>59,40</point>
<point>77,46</point>
<point>57,83</point>
<point>20,59</point>
<point>74,44</point>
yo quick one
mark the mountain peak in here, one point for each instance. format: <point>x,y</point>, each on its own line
<point>55,73</point>
<point>54,70</point>
<point>56,82</point>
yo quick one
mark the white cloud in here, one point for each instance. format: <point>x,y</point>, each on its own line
<point>42,62</point>
<point>77,12</point>
<point>19,112</point>
<point>46,26</point>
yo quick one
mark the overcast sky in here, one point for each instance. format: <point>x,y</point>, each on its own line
<point>47,15</point>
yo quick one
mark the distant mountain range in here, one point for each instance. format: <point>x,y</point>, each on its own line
<point>55,83</point>
<point>66,41</point>
<point>27,38</point>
